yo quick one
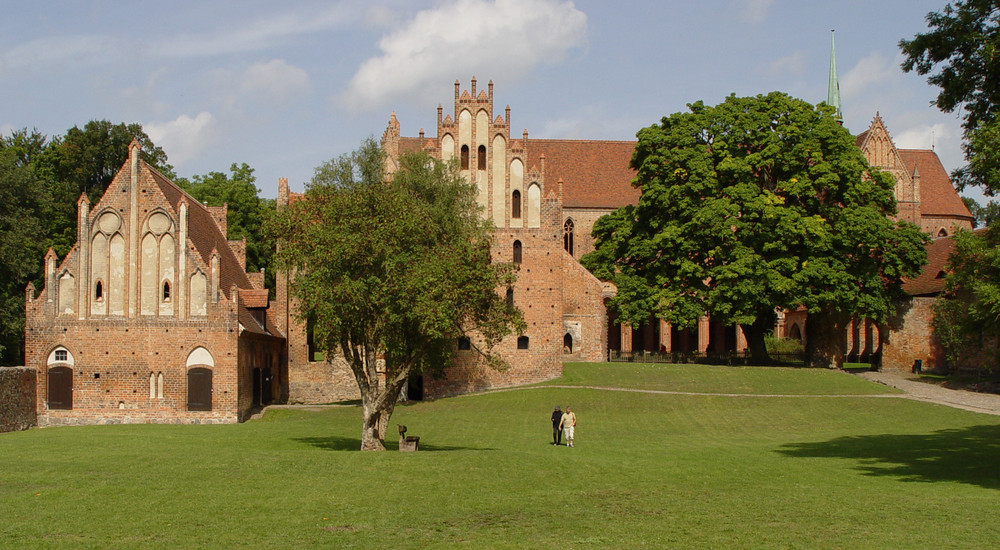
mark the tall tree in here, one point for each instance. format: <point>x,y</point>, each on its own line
<point>247,213</point>
<point>755,204</point>
<point>23,232</point>
<point>391,273</point>
<point>961,53</point>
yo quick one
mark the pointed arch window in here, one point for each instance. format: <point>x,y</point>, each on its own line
<point>166,291</point>
<point>568,236</point>
<point>465,157</point>
<point>943,232</point>
<point>99,290</point>
<point>522,342</point>
<point>481,157</point>
<point>515,204</point>
<point>517,252</point>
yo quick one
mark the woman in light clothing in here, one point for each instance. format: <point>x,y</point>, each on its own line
<point>567,424</point>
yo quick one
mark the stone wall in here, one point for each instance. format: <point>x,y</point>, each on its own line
<point>17,398</point>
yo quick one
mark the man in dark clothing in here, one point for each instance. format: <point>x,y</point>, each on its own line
<point>556,431</point>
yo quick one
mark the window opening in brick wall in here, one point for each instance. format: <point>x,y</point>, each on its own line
<point>510,296</point>
<point>515,204</point>
<point>943,232</point>
<point>568,236</point>
<point>465,157</point>
<point>568,343</point>
<point>159,386</point>
<point>481,158</point>
<point>517,252</point>
<point>99,291</point>
<point>464,344</point>
<point>62,355</point>
<point>522,342</point>
<point>166,291</point>
<point>152,385</point>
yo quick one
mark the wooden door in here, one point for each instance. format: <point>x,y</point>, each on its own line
<point>199,389</point>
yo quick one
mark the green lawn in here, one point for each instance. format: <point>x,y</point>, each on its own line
<point>840,463</point>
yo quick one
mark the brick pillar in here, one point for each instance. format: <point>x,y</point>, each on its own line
<point>741,339</point>
<point>626,331</point>
<point>665,336</point>
<point>704,332</point>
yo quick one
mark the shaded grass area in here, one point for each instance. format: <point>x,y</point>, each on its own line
<point>649,471</point>
<point>718,379</point>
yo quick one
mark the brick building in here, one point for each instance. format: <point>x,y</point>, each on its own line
<point>544,196</point>
<point>563,304</point>
<point>151,316</point>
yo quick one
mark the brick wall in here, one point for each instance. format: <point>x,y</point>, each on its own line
<point>584,313</point>
<point>113,359</point>
<point>17,398</point>
<point>912,337</point>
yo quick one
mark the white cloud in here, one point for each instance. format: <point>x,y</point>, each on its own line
<point>275,81</point>
<point>249,36</point>
<point>53,50</point>
<point>873,70</point>
<point>754,11</point>
<point>925,137</point>
<point>182,138</point>
<point>500,39</point>
<point>790,64</point>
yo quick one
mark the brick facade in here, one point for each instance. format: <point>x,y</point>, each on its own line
<point>143,321</point>
<point>17,398</point>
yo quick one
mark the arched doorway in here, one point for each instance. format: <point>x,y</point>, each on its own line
<point>59,386</point>
<point>199,380</point>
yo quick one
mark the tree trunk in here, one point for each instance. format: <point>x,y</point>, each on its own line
<point>372,430</point>
<point>763,323</point>
<point>825,339</point>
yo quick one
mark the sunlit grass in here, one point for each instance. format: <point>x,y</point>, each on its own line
<point>834,468</point>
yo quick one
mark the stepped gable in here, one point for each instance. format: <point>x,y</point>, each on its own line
<point>595,173</point>
<point>937,196</point>
<point>204,234</point>
<point>930,282</point>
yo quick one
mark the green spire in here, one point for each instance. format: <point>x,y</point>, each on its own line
<point>833,86</point>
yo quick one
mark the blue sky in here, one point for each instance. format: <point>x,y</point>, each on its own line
<point>284,86</point>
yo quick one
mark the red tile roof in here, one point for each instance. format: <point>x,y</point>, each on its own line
<point>930,282</point>
<point>595,173</point>
<point>937,196</point>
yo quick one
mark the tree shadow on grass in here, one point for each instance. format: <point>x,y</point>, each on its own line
<point>335,443</point>
<point>966,455</point>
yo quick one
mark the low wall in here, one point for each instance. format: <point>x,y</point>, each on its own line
<point>17,398</point>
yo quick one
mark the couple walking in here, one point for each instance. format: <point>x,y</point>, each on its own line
<point>563,422</point>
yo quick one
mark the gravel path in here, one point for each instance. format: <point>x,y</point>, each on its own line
<point>921,391</point>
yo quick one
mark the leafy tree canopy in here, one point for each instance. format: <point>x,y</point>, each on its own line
<point>390,273</point>
<point>961,55</point>
<point>983,215</point>
<point>757,203</point>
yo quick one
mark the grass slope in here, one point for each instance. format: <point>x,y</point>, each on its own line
<point>817,470</point>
